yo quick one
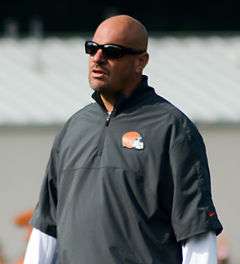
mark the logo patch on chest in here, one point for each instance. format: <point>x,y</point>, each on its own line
<point>132,140</point>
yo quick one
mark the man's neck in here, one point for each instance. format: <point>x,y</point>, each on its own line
<point>109,100</point>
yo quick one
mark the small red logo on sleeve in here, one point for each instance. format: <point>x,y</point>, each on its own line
<point>211,213</point>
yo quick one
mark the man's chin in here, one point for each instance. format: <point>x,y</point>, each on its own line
<point>99,85</point>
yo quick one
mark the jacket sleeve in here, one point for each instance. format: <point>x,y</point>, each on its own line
<point>45,214</point>
<point>193,211</point>
<point>41,249</point>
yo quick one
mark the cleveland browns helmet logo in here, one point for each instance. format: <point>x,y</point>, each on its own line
<point>132,139</point>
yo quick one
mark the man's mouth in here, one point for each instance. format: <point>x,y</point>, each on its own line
<point>99,73</point>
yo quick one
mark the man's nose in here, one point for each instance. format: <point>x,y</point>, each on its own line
<point>99,56</point>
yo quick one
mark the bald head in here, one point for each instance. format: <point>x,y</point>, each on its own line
<point>123,30</point>
<point>109,75</point>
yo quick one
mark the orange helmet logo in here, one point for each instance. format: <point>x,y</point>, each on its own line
<point>132,139</point>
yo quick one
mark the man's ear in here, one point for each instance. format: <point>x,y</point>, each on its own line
<point>142,62</point>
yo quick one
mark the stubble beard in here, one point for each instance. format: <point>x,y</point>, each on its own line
<point>99,88</point>
<point>104,89</point>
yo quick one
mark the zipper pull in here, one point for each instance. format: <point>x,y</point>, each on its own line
<point>108,119</point>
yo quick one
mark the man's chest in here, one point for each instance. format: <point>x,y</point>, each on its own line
<point>125,143</point>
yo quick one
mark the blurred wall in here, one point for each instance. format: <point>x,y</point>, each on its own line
<point>24,153</point>
<point>23,156</point>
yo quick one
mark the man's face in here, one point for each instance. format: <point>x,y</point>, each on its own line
<point>110,75</point>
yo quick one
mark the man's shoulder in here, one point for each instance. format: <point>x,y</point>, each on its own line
<point>89,111</point>
<point>174,118</point>
<point>166,107</point>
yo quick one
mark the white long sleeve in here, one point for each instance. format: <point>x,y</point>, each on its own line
<point>200,249</point>
<point>41,249</point>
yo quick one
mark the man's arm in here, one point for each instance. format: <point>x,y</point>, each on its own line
<point>200,249</point>
<point>41,249</point>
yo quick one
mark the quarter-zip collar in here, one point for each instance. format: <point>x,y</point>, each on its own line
<point>123,102</point>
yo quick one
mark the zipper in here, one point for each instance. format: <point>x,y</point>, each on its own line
<point>108,118</point>
<point>102,137</point>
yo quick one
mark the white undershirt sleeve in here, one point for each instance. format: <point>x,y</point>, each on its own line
<point>200,249</point>
<point>41,249</point>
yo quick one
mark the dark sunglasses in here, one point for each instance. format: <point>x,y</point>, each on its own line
<point>110,51</point>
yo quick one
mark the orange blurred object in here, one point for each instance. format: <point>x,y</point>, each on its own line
<point>22,220</point>
<point>20,261</point>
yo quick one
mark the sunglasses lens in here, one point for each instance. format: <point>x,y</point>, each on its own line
<point>112,52</point>
<point>109,51</point>
<point>91,47</point>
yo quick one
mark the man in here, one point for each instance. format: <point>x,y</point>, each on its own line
<point>127,180</point>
